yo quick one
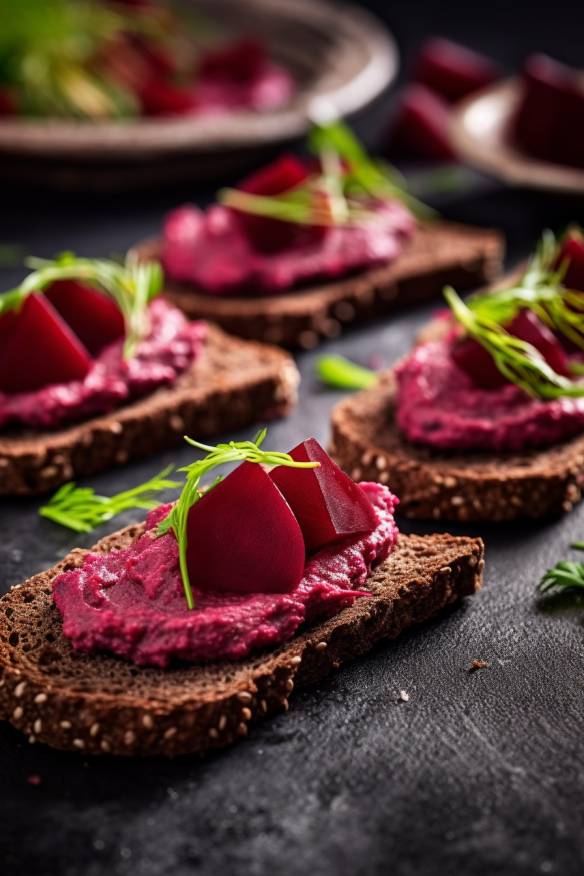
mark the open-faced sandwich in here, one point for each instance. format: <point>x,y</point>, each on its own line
<point>484,420</point>
<point>304,246</point>
<point>173,636</point>
<point>95,369</point>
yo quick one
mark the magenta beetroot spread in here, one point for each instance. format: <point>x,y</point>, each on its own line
<point>131,601</point>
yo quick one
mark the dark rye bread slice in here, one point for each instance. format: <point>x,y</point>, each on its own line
<point>459,486</point>
<point>99,704</point>
<point>231,384</point>
<point>438,254</point>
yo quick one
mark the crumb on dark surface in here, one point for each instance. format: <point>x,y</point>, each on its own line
<point>478,664</point>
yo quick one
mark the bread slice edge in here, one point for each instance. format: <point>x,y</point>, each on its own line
<point>44,693</point>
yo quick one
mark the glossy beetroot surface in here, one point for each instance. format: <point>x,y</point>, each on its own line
<point>452,70</point>
<point>420,127</point>
<point>327,504</point>
<point>273,235</point>
<point>243,536</point>
<point>472,358</point>
<point>550,119</point>
<point>94,317</point>
<point>39,349</point>
<point>572,252</point>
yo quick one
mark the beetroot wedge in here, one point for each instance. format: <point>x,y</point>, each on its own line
<point>472,358</point>
<point>328,505</point>
<point>94,317</point>
<point>243,536</point>
<point>273,235</point>
<point>572,252</point>
<point>40,349</point>
<point>452,70</point>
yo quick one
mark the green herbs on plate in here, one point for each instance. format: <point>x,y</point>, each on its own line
<point>565,576</point>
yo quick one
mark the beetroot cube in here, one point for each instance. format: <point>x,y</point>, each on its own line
<point>40,349</point>
<point>243,536</point>
<point>94,317</point>
<point>549,123</point>
<point>241,61</point>
<point>472,358</point>
<point>328,505</point>
<point>420,127</point>
<point>452,70</point>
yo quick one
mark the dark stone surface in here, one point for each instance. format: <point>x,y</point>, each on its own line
<point>479,773</point>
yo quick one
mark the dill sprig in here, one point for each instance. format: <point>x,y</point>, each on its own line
<point>564,576</point>
<point>539,289</point>
<point>82,510</point>
<point>340,373</point>
<point>132,285</point>
<point>337,193</point>
<point>221,454</point>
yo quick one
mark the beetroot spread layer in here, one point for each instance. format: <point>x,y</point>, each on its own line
<point>170,347</point>
<point>131,602</point>
<point>438,405</point>
<point>210,250</point>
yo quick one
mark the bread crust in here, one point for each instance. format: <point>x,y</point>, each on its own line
<point>434,485</point>
<point>231,384</point>
<point>439,253</point>
<point>99,704</point>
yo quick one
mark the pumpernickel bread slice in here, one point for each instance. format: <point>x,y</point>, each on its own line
<point>231,384</point>
<point>366,443</point>
<point>99,704</point>
<point>439,253</point>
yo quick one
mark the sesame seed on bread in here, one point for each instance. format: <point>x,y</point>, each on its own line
<point>99,704</point>
<point>438,254</point>
<point>231,384</point>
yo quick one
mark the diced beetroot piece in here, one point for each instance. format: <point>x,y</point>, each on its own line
<point>8,106</point>
<point>279,176</point>
<point>528,327</point>
<point>420,127</point>
<point>272,235</point>
<point>452,70</point>
<point>328,505</point>
<point>472,358</point>
<point>549,123</point>
<point>40,350</point>
<point>572,252</point>
<point>94,317</point>
<point>243,536</point>
<point>242,61</point>
<point>159,98</point>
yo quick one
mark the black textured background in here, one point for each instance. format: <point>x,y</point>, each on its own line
<point>478,773</point>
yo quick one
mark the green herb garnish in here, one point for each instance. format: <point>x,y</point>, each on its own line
<point>564,576</point>
<point>81,509</point>
<point>221,454</point>
<point>340,373</point>
<point>338,192</point>
<point>132,286</point>
<point>539,289</point>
